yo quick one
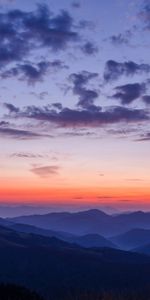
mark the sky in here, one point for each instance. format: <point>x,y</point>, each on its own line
<point>75,102</point>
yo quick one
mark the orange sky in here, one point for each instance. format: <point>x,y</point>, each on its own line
<point>109,195</point>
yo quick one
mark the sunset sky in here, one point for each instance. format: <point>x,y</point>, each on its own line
<point>75,102</point>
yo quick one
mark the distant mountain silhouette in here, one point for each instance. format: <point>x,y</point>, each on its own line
<point>135,219</point>
<point>40,231</point>
<point>132,239</point>
<point>92,240</point>
<point>84,222</point>
<point>5,222</point>
<point>87,241</point>
<point>88,222</point>
<point>145,249</point>
<point>12,238</point>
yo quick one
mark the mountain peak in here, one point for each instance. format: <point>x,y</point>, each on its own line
<point>93,211</point>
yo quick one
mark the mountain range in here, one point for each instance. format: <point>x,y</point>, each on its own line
<point>46,263</point>
<point>76,251</point>
<point>88,222</point>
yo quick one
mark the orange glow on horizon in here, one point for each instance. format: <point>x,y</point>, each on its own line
<point>74,195</point>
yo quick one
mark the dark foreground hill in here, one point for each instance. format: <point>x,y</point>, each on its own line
<point>13,292</point>
<point>55,271</point>
<point>55,268</point>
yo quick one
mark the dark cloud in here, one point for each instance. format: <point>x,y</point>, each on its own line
<point>144,137</point>
<point>89,48</point>
<point>114,70</point>
<point>45,171</point>
<point>11,108</point>
<point>129,92</point>
<point>40,96</point>
<point>32,72</point>
<point>85,24</point>
<point>146,99</point>
<point>8,131</point>
<point>4,123</point>
<point>26,155</point>
<point>69,118</point>
<point>75,133</point>
<point>122,131</point>
<point>57,105</point>
<point>21,32</point>
<point>76,4</point>
<point>145,14</point>
<point>18,134</point>
<point>121,38</point>
<point>80,81</point>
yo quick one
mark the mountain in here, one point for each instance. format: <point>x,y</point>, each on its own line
<point>5,222</point>
<point>91,240</point>
<point>145,249</point>
<point>40,231</point>
<point>14,292</point>
<point>53,267</point>
<point>132,239</point>
<point>87,241</point>
<point>84,222</point>
<point>88,222</point>
<point>12,238</point>
<point>17,210</point>
<point>138,219</point>
<point>52,270</point>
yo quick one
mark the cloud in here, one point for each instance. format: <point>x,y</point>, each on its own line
<point>26,155</point>
<point>32,72</point>
<point>80,81</point>
<point>144,137</point>
<point>45,171</point>
<point>76,4</point>
<point>21,32</point>
<point>114,70</point>
<point>121,38</point>
<point>145,14</point>
<point>4,123</point>
<point>75,133</point>
<point>57,105</point>
<point>89,48</point>
<point>134,179</point>
<point>11,107</point>
<point>146,99</point>
<point>7,131</point>
<point>129,92</point>
<point>67,117</point>
<point>124,200</point>
<point>41,95</point>
<point>18,134</point>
